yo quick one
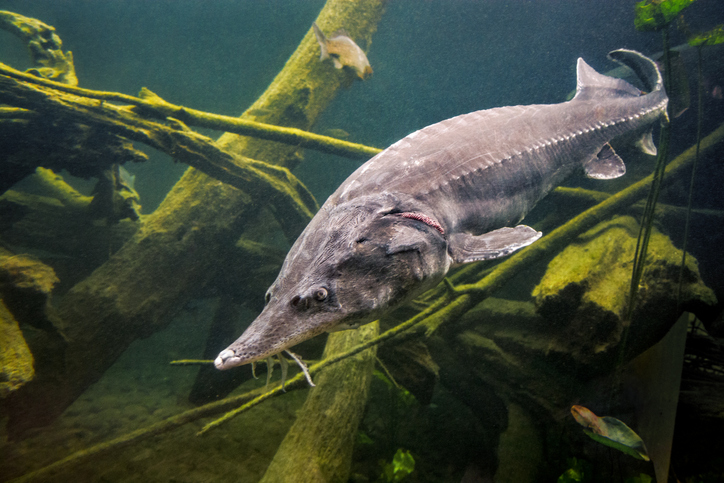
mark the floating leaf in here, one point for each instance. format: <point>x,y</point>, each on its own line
<point>610,432</point>
<point>712,37</point>
<point>656,14</point>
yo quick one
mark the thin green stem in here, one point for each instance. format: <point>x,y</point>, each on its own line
<point>647,219</point>
<point>699,116</point>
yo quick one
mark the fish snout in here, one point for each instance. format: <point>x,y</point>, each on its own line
<point>227,359</point>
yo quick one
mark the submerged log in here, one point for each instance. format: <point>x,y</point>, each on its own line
<point>25,285</point>
<point>57,228</point>
<point>542,357</point>
<point>181,246</point>
<point>318,447</point>
<point>16,361</point>
<point>583,298</point>
<point>576,331</point>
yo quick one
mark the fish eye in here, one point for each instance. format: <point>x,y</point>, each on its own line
<point>267,297</point>
<point>320,294</point>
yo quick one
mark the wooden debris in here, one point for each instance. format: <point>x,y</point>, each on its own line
<point>582,300</point>
<point>16,361</point>
<point>46,48</point>
<point>318,447</point>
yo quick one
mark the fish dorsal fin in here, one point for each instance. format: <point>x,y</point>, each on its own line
<point>605,165</point>
<point>592,85</point>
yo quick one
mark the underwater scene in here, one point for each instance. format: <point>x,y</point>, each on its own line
<point>362,241</point>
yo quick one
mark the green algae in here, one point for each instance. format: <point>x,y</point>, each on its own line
<point>584,289</point>
<point>651,15</point>
<point>711,37</point>
<point>16,360</point>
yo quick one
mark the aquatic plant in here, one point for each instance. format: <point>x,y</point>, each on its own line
<point>656,14</point>
<point>579,471</point>
<point>711,37</point>
<point>657,9</point>
<point>399,468</point>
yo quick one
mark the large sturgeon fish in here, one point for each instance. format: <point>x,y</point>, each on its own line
<point>448,194</point>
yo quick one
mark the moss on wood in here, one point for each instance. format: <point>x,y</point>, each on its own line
<point>318,447</point>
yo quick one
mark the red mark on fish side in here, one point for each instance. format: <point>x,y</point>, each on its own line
<point>425,219</point>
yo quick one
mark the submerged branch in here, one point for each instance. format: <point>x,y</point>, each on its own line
<point>151,105</point>
<point>262,180</point>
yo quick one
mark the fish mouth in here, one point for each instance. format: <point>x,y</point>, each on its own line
<point>239,354</point>
<point>247,349</point>
<point>227,359</point>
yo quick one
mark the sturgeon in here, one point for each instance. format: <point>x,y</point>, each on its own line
<point>448,194</point>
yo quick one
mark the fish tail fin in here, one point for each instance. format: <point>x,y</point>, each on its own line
<point>322,41</point>
<point>644,68</point>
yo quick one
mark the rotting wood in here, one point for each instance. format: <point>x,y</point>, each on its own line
<point>16,361</point>
<point>58,228</point>
<point>259,179</point>
<point>46,48</point>
<point>150,105</point>
<point>318,447</point>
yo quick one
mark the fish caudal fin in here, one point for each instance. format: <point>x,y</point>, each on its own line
<point>644,68</point>
<point>322,41</point>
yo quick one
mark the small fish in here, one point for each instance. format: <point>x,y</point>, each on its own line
<point>343,51</point>
<point>611,432</point>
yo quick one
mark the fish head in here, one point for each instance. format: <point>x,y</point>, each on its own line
<point>351,264</point>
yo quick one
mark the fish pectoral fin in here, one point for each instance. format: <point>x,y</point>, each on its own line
<point>646,142</point>
<point>465,248</point>
<point>605,165</point>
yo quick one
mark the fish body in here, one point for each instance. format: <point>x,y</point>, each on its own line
<point>448,194</point>
<point>343,51</point>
